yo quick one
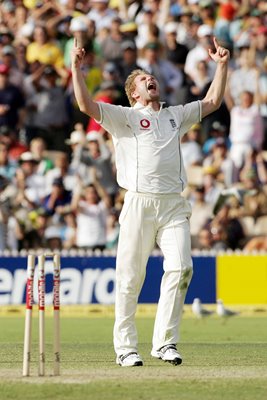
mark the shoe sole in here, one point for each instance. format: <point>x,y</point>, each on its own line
<point>175,361</point>
<point>136,364</point>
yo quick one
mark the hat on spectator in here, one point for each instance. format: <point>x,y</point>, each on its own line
<point>205,3</point>
<point>92,136</point>
<point>75,138</point>
<point>110,67</point>
<point>171,27</point>
<point>243,41</point>
<point>78,24</point>
<point>7,50</point>
<point>128,27</point>
<point>8,6</point>
<point>26,30</point>
<point>210,170</point>
<point>204,30</point>
<point>152,46</point>
<point>4,69</point>
<point>5,31</point>
<point>217,126</point>
<point>227,11</point>
<point>27,156</point>
<point>128,45</point>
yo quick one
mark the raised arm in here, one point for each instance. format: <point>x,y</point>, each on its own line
<point>86,104</point>
<point>214,96</point>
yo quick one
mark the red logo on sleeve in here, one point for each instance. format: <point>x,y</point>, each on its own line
<point>145,123</point>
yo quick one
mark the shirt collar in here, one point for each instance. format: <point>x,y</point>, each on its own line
<point>138,106</point>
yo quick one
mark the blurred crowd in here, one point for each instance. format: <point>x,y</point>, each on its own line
<point>58,185</point>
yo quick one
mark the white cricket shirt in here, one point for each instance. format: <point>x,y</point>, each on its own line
<point>147,145</point>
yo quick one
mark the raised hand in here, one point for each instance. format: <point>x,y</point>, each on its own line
<point>77,54</point>
<point>220,55</point>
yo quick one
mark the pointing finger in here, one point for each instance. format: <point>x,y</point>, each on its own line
<point>215,43</point>
<point>75,43</point>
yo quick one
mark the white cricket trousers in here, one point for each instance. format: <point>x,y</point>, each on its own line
<point>147,219</point>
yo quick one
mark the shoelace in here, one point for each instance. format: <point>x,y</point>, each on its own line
<point>168,347</point>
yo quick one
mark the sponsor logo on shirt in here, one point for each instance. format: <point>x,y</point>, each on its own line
<point>145,123</point>
<point>173,123</point>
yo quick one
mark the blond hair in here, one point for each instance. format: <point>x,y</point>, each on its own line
<point>130,84</point>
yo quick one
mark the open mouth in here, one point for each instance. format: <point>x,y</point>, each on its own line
<point>151,86</point>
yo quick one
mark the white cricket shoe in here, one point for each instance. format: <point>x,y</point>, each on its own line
<point>169,354</point>
<point>129,360</point>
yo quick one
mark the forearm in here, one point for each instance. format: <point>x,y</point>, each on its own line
<point>83,98</point>
<point>214,96</point>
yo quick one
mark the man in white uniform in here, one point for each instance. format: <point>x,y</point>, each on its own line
<point>149,165</point>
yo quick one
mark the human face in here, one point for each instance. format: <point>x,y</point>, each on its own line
<point>146,89</point>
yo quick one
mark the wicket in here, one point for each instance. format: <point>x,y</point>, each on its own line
<point>41,311</point>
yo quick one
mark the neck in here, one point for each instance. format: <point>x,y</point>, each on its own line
<point>155,104</point>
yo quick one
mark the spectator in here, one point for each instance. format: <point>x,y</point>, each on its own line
<point>32,236</point>
<point>79,29</point>
<point>8,58</point>
<point>33,189</point>
<point>200,81</point>
<point>246,129</point>
<point>11,101</point>
<point>7,166</point>
<point>129,59</point>
<point>44,49</point>
<point>190,148</point>
<point>220,160</point>
<point>170,78</point>
<point>205,239</point>
<point>77,142</point>
<point>98,156</point>
<point>201,213</point>
<point>176,52</point>
<point>68,229</point>
<point>6,203</point>
<point>38,148</point>
<point>111,46</point>
<point>113,229</point>
<point>207,11</point>
<point>15,148</point>
<point>244,77</point>
<point>226,15</point>
<point>217,131</point>
<point>211,186</point>
<point>255,164</point>
<point>59,197</point>
<point>101,14</point>
<point>91,213</point>
<point>62,169</point>
<point>261,93</point>
<point>200,52</point>
<point>231,226</point>
<point>48,106</point>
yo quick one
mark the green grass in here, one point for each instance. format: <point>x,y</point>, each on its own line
<point>222,361</point>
